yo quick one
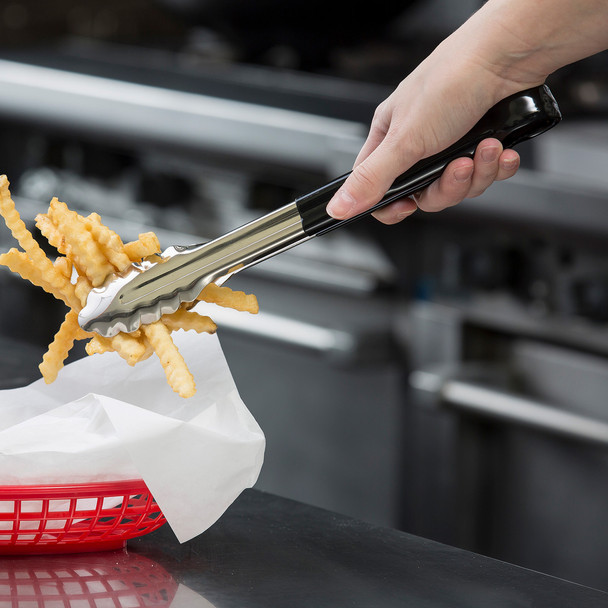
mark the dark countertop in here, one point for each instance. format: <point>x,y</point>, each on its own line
<point>272,552</point>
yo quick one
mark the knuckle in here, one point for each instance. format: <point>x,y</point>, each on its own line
<point>475,192</point>
<point>434,202</point>
<point>406,145</point>
<point>434,206</point>
<point>382,118</point>
<point>429,203</point>
<point>366,178</point>
<point>379,112</point>
<point>487,174</point>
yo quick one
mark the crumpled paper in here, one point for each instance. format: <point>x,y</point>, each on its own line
<point>102,420</point>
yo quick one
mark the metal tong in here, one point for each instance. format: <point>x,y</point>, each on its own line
<point>148,290</point>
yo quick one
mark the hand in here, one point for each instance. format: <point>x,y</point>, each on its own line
<point>505,47</point>
<point>437,104</point>
<point>462,178</point>
<point>390,150</point>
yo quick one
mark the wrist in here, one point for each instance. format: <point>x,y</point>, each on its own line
<point>520,43</point>
<point>505,62</point>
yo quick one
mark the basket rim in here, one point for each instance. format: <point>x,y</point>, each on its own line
<point>86,489</point>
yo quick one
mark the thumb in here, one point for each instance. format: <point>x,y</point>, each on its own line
<point>368,182</point>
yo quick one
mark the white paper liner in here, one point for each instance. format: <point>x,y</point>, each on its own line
<point>102,420</point>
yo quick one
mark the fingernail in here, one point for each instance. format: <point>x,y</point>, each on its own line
<point>463,174</point>
<point>510,163</point>
<point>341,204</point>
<point>489,155</point>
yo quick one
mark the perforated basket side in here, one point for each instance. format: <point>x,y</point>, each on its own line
<point>83,517</point>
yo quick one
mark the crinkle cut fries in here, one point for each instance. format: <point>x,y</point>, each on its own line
<point>88,252</point>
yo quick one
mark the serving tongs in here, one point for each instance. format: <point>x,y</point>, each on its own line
<point>147,290</point>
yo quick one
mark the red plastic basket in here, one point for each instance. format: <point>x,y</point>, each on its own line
<point>74,518</point>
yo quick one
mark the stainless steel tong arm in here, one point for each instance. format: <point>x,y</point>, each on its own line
<point>159,288</point>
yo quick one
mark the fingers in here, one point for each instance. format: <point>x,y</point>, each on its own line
<point>368,182</point>
<point>379,161</point>
<point>358,192</point>
<point>466,178</point>
<point>508,165</point>
<point>396,212</point>
<point>492,163</point>
<point>450,188</point>
<point>377,132</point>
<point>462,178</point>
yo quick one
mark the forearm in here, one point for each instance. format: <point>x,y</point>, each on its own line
<point>524,41</point>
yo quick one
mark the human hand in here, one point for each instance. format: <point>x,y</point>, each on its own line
<point>436,105</point>
<point>505,47</point>
<point>463,178</point>
<point>390,149</point>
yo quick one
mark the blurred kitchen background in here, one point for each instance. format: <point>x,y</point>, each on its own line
<point>447,376</point>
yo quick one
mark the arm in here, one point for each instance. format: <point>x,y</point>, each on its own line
<point>504,48</point>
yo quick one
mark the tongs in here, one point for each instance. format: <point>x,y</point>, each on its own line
<point>147,290</point>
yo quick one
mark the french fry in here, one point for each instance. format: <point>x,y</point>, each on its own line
<point>148,352</point>
<point>109,242</point>
<point>82,289</point>
<point>146,245</point>
<point>130,348</point>
<point>52,360</point>
<point>63,266</point>
<point>224,296</point>
<point>187,320</point>
<point>54,283</point>
<point>18,228</point>
<point>178,376</point>
<point>86,255</point>
<point>52,234</point>
<point>97,346</point>
<point>90,251</point>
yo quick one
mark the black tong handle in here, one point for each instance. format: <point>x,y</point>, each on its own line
<point>512,120</point>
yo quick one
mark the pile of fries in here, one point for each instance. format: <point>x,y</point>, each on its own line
<point>88,252</point>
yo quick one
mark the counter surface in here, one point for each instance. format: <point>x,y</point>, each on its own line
<point>269,551</point>
<point>272,552</point>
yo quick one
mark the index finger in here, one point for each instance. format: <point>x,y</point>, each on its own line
<point>370,180</point>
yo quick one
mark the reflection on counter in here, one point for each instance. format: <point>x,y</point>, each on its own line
<point>100,580</point>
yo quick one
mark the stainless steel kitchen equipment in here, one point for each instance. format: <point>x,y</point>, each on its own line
<point>522,437</point>
<point>509,370</point>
